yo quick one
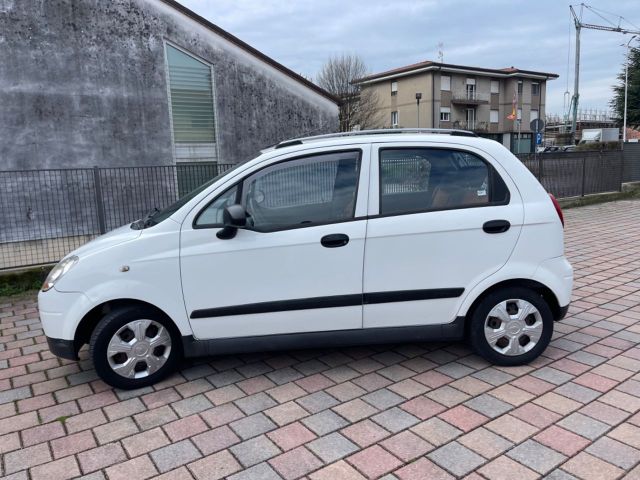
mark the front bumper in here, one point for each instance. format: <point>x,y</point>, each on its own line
<point>63,348</point>
<point>61,313</point>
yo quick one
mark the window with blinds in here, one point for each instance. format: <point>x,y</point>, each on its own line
<point>192,110</point>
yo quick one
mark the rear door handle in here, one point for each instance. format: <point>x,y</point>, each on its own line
<point>334,240</point>
<point>496,226</point>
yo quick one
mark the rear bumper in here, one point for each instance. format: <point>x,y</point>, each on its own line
<point>562,312</point>
<point>557,275</point>
<point>62,348</point>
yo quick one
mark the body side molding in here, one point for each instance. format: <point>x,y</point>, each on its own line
<point>332,301</point>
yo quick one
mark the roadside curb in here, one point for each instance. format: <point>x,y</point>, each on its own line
<point>629,190</point>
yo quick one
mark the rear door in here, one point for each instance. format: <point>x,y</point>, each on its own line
<point>440,220</point>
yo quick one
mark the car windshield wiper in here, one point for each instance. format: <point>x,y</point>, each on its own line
<point>146,221</point>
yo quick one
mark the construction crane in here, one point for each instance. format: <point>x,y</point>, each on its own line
<point>579,26</point>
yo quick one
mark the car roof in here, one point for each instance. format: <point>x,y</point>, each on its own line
<point>459,137</point>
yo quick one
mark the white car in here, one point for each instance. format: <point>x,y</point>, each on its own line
<point>366,237</point>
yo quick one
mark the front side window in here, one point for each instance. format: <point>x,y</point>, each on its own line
<point>296,193</point>
<point>424,179</point>
<point>211,216</point>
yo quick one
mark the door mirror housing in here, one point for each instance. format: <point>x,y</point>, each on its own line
<point>233,218</point>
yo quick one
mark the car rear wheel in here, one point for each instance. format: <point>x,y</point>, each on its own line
<point>511,326</point>
<point>133,347</point>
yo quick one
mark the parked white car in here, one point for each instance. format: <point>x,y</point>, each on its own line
<point>367,237</point>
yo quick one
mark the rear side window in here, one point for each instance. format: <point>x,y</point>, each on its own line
<point>424,179</point>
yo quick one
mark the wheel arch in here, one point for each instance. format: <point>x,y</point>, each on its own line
<point>534,285</point>
<point>92,317</point>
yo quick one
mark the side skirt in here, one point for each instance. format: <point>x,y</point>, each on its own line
<point>336,338</point>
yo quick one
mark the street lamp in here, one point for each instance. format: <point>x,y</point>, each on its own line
<point>418,97</point>
<point>626,82</point>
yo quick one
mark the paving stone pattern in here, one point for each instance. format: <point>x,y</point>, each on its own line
<point>412,411</point>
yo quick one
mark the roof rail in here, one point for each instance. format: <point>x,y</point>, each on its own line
<point>380,131</point>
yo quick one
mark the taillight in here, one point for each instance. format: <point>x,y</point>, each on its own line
<point>557,207</point>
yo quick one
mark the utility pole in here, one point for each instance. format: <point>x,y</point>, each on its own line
<point>626,84</point>
<point>576,80</point>
<point>579,24</point>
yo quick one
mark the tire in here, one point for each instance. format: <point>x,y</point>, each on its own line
<point>150,343</point>
<point>504,330</point>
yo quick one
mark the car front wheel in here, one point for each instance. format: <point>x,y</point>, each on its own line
<point>133,347</point>
<point>511,326</point>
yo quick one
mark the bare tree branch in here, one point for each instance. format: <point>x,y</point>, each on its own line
<point>358,108</point>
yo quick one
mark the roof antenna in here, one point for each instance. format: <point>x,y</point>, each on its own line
<point>440,52</point>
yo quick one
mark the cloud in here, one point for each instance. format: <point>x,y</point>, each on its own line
<point>302,34</point>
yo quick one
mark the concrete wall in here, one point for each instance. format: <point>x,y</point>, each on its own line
<point>83,83</point>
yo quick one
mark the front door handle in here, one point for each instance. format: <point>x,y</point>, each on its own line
<point>496,226</point>
<point>334,240</point>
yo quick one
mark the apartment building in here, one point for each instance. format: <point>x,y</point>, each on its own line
<point>440,95</point>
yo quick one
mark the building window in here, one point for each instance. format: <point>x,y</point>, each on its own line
<point>495,86</point>
<point>394,88</point>
<point>445,82</point>
<point>535,89</point>
<point>494,116</point>
<point>445,114</point>
<point>394,119</point>
<point>520,114</point>
<point>534,115</point>
<point>520,87</point>
<point>191,105</point>
<point>471,88</point>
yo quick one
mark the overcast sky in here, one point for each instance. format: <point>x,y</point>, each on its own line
<point>533,35</point>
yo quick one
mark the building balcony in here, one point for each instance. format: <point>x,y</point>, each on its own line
<point>472,126</point>
<point>467,97</point>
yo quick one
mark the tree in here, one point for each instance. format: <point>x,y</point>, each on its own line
<point>633,91</point>
<point>358,107</point>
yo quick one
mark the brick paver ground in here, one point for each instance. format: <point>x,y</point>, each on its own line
<point>416,411</point>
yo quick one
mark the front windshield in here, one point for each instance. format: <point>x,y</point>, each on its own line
<point>158,216</point>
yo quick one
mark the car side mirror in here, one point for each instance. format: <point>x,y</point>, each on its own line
<point>233,218</point>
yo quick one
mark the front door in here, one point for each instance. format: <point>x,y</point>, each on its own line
<point>297,267</point>
<point>426,245</point>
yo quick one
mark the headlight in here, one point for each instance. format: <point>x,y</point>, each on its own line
<point>58,271</point>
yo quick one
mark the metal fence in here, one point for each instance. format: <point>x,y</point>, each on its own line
<point>631,159</point>
<point>574,174</point>
<point>44,214</point>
